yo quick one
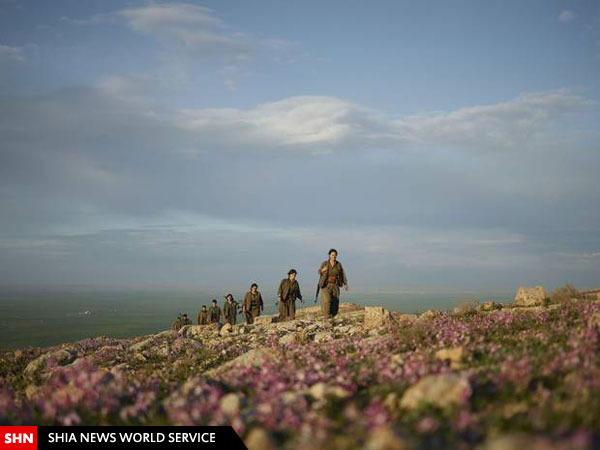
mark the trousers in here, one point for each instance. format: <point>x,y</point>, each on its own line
<point>330,300</point>
<point>287,310</point>
<point>251,314</point>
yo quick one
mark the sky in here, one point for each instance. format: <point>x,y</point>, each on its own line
<point>435,145</point>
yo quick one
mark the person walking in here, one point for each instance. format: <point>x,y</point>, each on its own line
<point>288,292</point>
<point>332,278</point>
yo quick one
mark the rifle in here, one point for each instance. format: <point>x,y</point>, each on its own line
<point>318,285</point>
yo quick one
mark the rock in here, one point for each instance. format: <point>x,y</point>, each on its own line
<point>312,327</point>
<point>522,442</point>
<point>490,306</point>
<point>594,320</point>
<point>356,329</point>
<point>406,318</point>
<point>263,320</point>
<point>226,330</point>
<point>455,355</point>
<point>324,336</point>
<point>391,401</point>
<point>376,316</point>
<point>439,390</point>
<point>302,336</point>
<point>429,314</point>
<point>253,357</point>
<point>243,329</point>
<point>397,358</point>
<point>530,296</point>
<point>62,357</point>
<point>288,397</point>
<point>142,344</point>
<point>287,339</point>
<point>258,439</point>
<point>163,350</point>
<point>320,391</point>
<point>230,404</point>
<point>384,438</point>
<point>286,326</point>
<point>194,330</point>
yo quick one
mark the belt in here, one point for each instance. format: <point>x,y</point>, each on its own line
<point>332,279</point>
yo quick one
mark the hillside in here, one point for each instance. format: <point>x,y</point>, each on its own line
<point>487,376</point>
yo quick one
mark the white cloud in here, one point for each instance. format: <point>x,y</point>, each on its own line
<point>324,124</point>
<point>194,27</point>
<point>148,19</point>
<point>566,15</point>
<point>501,124</point>
<point>94,20</point>
<point>8,53</point>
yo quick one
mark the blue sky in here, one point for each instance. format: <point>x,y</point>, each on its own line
<point>435,144</point>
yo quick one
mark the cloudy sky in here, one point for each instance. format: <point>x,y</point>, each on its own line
<point>435,144</point>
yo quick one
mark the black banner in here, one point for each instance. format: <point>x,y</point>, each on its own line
<point>103,437</point>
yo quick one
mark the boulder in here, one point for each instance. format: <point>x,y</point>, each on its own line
<point>443,391</point>
<point>324,336</point>
<point>302,336</point>
<point>320,391</point>
<point>454,354</point>
<point>230,404</point>
<point>226,330</point>
<point>384,438</point>
<point>253,357</point>
<point>194,330</point>
<point>258,439</point>
<point>530,296</point>
<point>429,314</point>
<point>376,316</point>
<point>287,339</point>
<point>490,306</point>
<point>522,442</point>
<point>264,320</point>
<point>62,357</point>
<point>406,318</point>
<point>142,345</point>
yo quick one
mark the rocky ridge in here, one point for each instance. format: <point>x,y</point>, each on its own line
<point>402,380</point>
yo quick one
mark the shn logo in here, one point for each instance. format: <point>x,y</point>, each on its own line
<point>18,438</point>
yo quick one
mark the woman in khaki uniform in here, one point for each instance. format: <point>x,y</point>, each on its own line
<point>288,292</point>
<point>332,278</point>
<point>253,304</point>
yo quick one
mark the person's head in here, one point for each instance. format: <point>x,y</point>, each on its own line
<point>292,274</point>
<point>253,287</point>
<point>185,316</point>
<point>333,254</point>
<point>204,307</point>
<point>229,297</point>
<point>214,302</point>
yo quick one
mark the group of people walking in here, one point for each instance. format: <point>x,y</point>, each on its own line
<point>332,277</point>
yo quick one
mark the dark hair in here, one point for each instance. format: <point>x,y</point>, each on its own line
<point>252,285</point>
<point>332,250</point>
<point>214,300</point>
